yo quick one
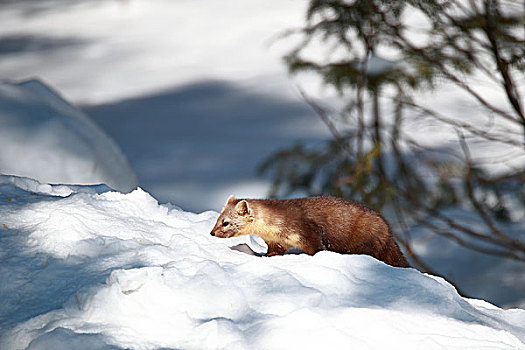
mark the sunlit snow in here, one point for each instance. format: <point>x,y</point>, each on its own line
<point>196,95</point>
<point>46,138</point>
<point>102,269</point>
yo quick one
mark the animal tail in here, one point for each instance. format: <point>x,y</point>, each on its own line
<point>392,255</point>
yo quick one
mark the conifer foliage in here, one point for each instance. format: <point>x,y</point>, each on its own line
<point>388,60</point>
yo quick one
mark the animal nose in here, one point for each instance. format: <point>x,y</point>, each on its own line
<point>212,233</point>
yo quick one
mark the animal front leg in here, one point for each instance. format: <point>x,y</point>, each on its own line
<point>275,248</point>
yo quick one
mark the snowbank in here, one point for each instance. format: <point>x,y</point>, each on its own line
<point>46,138</point>
<point>84,267</point>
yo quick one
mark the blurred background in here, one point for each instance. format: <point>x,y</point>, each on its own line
<point>414,108</point>
<point>194,93</point>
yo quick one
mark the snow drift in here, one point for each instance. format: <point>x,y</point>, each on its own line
<point>46,138</point>
<point>87,268</point>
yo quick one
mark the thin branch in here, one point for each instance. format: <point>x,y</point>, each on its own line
<point>405,44</point>
<point>326,120</point>
<point>468,244</point>
<point>465,126</point>
<point>470,192</point>
<point>509,86</point>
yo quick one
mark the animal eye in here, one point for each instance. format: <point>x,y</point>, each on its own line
<point>226,223</point>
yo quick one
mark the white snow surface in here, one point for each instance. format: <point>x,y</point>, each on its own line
<point>84,267</point>
<point>196,95</point>
<point>46,138</point>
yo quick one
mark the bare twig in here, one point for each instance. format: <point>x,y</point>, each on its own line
<point>491,8</point>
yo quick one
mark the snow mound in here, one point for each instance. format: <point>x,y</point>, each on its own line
<point>46,138</point>
<point>87,268</point>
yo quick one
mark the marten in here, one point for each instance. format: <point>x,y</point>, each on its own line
<point>311,224</point>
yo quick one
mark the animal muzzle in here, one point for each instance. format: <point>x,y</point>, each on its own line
<point>212,233</point>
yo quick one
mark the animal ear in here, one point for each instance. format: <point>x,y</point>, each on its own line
<point>230,199</point>
<point>243,208</point>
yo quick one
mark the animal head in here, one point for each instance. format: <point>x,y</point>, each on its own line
<point>235,219</point>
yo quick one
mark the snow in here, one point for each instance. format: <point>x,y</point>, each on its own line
<point>125,49</point>
<point>85,267</point>
<point>503,279</point>
<point>196,95</point>
<point>197,83</point>
<point>46,138</point>
<point>204,140</point>
<point>376,65</point>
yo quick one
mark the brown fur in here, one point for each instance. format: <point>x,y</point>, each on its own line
<point>311,224</point>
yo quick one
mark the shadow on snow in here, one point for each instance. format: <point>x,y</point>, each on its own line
<point>209,135</point>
